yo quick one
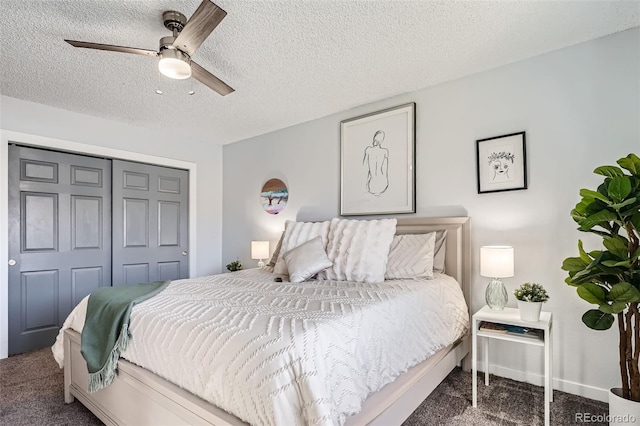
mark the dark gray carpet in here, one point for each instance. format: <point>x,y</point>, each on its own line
<point>31,393</point>
<point>504,402</point>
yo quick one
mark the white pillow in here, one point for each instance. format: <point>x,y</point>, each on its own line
<point>296,233</point>
<point>359,249</point>
<point>440,248</point>
<point>411,256</point>
<point>306,260</point>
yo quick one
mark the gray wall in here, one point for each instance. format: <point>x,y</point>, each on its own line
<point>31,118</point>
<point>580,107</point>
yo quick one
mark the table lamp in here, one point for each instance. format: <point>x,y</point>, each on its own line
<point>260,250</point>
<point>496,262</point>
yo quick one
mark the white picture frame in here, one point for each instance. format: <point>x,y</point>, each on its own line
<point>377,162</point>
<point>501,163</point>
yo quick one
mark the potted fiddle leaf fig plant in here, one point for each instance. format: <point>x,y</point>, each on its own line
<point>610,276</point>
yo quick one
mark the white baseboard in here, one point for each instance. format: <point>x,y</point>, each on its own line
<point>567,386</point>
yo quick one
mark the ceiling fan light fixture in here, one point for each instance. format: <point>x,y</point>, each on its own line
<point>174,64</point>
<point>175,51</point>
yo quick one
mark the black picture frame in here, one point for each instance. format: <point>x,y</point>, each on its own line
<point>388,135</point>
<point>501,163</point>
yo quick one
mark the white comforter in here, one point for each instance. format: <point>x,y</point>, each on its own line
<point>289,354</point>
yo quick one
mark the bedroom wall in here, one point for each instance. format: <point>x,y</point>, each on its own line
<point>580,107</point>
<point>89,131</point>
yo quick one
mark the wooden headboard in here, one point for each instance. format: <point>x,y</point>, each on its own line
<point>458,245</point>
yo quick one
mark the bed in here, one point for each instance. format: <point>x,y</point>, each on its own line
<point>138,396</point>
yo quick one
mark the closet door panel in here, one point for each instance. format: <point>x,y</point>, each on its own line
<point>150,216</point>
<point>59,239</point>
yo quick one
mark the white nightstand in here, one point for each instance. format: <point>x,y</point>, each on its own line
<point>511,316</point>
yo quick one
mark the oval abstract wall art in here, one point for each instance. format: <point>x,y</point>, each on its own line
<point>274,196</point>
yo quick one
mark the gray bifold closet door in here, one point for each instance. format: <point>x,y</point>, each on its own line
<point>150,223</point>
<point>77,223</point>
<point>59,240</point>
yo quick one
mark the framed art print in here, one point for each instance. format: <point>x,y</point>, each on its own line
<point>274,196</point>
<point>501,163</point>
<point>377,155</point>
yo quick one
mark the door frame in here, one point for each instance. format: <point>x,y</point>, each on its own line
<point>8,137</point>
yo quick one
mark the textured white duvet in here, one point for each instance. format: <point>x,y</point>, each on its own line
<point>289,354</point>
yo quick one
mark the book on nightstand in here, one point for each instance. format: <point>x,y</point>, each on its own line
<point>495,327</point>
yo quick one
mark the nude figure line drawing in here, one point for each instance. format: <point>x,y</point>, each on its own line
<point>376,161</point>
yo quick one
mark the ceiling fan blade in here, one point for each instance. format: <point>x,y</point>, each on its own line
<point>112,48</point>
<point>208,79</point>
<point>204,20</point>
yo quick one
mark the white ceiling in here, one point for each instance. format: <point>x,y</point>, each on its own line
<point>289,61</point>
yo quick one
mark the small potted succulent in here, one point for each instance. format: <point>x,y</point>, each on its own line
<point>530,297</point>
<point>234,266</point>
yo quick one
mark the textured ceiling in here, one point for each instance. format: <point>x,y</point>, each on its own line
<point>289,61</point>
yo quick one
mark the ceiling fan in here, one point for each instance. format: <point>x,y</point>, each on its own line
<point>175,51</point>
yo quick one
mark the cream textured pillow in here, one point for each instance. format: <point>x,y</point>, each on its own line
<point>359,249</point>
<point>411,256</point>
<point>296,233</point>
<point>306,260</point>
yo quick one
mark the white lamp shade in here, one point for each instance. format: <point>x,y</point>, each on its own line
<point>496,261</point>
<point>259,249</point>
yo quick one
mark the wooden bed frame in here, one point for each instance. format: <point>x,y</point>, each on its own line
<point>139,397</point>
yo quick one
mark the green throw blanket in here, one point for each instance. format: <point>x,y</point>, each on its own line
<point>106,328</point>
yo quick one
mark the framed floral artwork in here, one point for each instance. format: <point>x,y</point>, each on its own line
<point>501,163</point>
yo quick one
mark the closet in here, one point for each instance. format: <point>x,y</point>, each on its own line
<point>77,223</point>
